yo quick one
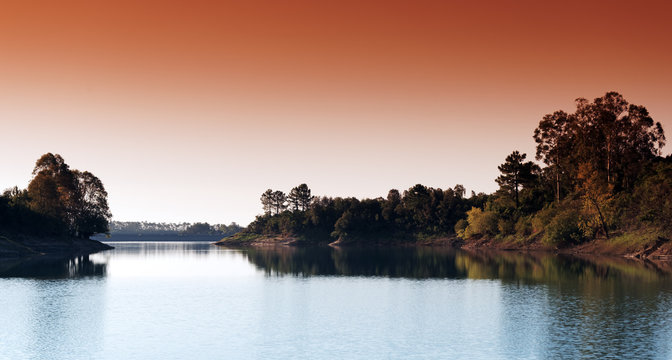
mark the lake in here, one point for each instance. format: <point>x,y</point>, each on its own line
<point>179,300</point>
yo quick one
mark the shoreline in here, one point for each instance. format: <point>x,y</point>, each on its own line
<point>20,246</point>
<point>659,250</point>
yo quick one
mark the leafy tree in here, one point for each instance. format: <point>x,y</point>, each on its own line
<point>555,137</point>
<point>91,212</point>
<point>66,200</point>
<point>617,137</point>
<point>596,193</point>
<point>516,173</point>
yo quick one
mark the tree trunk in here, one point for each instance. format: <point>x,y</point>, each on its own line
<point>557,184</point>
<point>609,162</point>
<point>602,222</point>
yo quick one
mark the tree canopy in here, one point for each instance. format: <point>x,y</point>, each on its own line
<point>58,200</point>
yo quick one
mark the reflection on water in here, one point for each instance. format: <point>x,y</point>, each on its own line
<point>194,300</point>
<point>426,262</point>
<point>552,305</point>
<point>51,267</point>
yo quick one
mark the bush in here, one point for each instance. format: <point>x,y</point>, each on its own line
<point>563,229</point>
<point>481,223</point>
<point>542,218</point>
<point>505,227</point>
<point>460,227</point>
<point>523,227</point>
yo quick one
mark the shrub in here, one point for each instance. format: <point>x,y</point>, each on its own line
<point>523,226</point>
<point>460,226</point>
<point>542,218</point>
<point>505,227</point>
<point>563,229</point>
<point>481,222</point>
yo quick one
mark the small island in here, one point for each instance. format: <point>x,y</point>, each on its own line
<point>604,188</point>
<point>56,215</point>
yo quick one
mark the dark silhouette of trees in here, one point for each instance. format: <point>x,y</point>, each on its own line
<point>58,200</point>
<point>299,198</point>
<point>516,173</point>
<point>420,212</point>
<point>267,201</point>
<point>616,138</point>
<point>273,202</point>
<point>91,212</point>
<point>555,137</point>
<point>278,201</point>
<point>603,173</point>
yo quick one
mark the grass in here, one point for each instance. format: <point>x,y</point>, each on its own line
<point>637,239</point>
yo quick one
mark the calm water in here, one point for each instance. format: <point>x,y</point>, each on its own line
<point>197,301</point>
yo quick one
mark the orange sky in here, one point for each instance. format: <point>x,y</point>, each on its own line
<point>188,110</point>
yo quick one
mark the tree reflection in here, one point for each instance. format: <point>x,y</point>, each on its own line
<point>425,262</point>
<point>52,267</point>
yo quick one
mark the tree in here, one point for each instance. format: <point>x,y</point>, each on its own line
<point>555,137</point>
<point>299,198</point>
<point>77,199</point>
<point>92,214</point>
<point>267,201</point>
<point>460,191</point>
<point>617,138</point>
<point>198,229</point>
<point>516,173</point>
<point>417,200</point>
<point>596,194</point>
<point>278,199</point>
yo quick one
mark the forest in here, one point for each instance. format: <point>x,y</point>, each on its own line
<point>59,202</point>
<point>599,174</point>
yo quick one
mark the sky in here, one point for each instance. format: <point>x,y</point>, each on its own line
<point>189,110</point>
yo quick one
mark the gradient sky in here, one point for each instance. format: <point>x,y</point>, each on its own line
<point>189,110</point>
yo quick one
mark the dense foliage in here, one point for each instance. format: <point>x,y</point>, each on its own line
<point>603,175</point>
<point>58,201</point>
<point>417,213</point>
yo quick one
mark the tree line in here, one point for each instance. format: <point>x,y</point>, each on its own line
<point>420,211</point>
<point>600,173</point>
<point>163,228</point>
<point>58,201</point>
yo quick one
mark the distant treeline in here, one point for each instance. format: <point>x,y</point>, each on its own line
<point>418,212</point>
<point>59,201</point>
<point>153,228</point>
<point>603,175</point>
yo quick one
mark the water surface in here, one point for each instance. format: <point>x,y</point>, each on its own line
<point>176,300</point>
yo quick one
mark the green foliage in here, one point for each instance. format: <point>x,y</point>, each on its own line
<point>542,218</point>
<point>516,174</point>
<point>505,227</point>
<point>654,196</point>
<point>563,229</point>
<point>460,227</point>
<point>481,223</point>
<point>523,227</point>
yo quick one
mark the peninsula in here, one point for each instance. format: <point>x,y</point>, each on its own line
<point>601,187</point>
<point>57,214</point>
